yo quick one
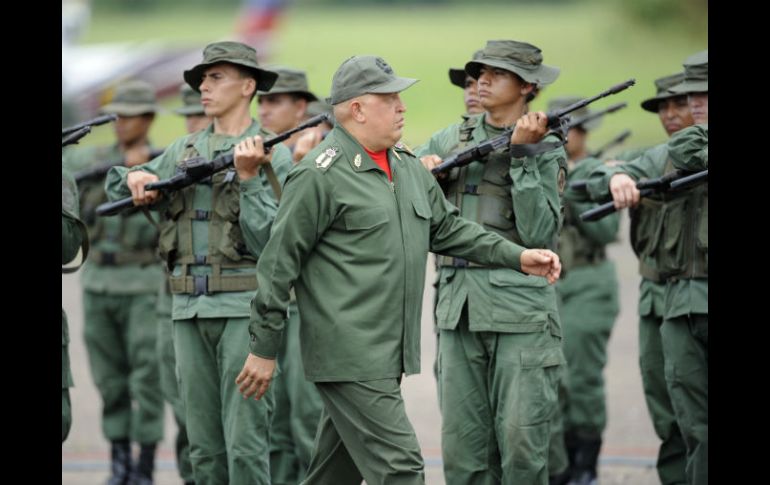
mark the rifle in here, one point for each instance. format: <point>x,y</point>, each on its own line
<point>100,170</point>
<point>690,180</point>
<point>555,118</point>
<point>590,117</point>
<point>74,133</point>
<point>615,141</point>
<point>676,180</point>
<point>198,168</point>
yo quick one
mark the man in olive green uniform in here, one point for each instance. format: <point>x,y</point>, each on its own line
<point>588,297</point>
<point>469,85</point>
<point>674,115</point>
<point>356,258</point>
<point>500,352</point>
<point>211,236</point>
<point>195,120</point>
<point>297,402</point>
<point>120,284</point>
<point>74,238</point>
<point>676,242</point>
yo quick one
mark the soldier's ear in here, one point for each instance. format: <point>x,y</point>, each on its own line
<point>527,88</point>
<point>250,87</point>
<point>356,111</point>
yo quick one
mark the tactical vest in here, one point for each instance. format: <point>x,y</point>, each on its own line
<point>670,230</point>
<point>575,249</point>
<point>226,247</point>
<point>492,186</point>
<point>134,249</point>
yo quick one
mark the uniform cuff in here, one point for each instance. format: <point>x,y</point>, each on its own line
<point>252,185</point>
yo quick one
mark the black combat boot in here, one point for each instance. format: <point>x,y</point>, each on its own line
<point>121,462</point>
<point>586,460</point>
<point>141,473</point>
<point>559,479</point>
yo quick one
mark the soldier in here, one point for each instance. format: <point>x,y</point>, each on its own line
<point>588,297</point>
<point>195,120</point>
<point>74,238</point>
<point>500,350</point>
<point>120,282</point>
<point>211,236</point>
<point>680,258</point>
<point>674,114</point>
<point>461,79</point>
<point>671,108</point>
<point>356,258</point>
<point>297,402</point>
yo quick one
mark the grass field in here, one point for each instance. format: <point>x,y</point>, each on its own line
<point>594,45</point>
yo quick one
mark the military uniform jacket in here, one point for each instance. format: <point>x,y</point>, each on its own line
<point>115,235</point>
<point>597,276</point>
<point>499,299</point>
<point>355,246</point>
<point>257,208</point>
<point>682,296</point>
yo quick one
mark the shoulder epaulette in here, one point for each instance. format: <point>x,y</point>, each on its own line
<point>401,146</point>
<point>325,159</point>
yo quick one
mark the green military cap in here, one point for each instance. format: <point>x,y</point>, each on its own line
<point>696,74</point>
<point>457,76</point>
<point>290,81</point>
<point>365,74</point>
<point>521,58</point>
<point>564,101</point>
<point>663,85</point>
<point>315,108</point>
<point>234,53</point>
<point>191,100</point>
<point>132,98</point>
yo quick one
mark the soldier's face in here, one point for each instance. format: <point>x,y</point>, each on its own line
<point>699,106</point>
<point>223,87</point>
<point>576,142</point>
<point>471,96</point>
<point>281,112</point>
<point>195,123</point>
<point>384,116</point>
<point>498,87</point>
<point>130,129</point>
<point>674,114</point>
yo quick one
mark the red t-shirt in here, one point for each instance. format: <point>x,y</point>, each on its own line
<point>381,159</point>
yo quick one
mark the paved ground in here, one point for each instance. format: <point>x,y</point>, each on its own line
<point>630,445</point>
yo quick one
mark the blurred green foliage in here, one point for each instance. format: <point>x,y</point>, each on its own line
<point>596,45</point>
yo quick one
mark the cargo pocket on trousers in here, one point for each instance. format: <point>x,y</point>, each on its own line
<point>539,384</point>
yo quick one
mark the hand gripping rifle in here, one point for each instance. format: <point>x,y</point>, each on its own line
<point>676,180</point>
<point>198,168</point>
<point>100,170</point>
<point>556,119</point>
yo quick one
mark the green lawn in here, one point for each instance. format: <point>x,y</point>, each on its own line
<point>594,46</point>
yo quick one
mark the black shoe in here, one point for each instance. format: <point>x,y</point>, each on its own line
<point>586,457</point>
<point>141,473</point>
<point>121,462</point>
<point>584,478</point>
<point>559,479</point>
